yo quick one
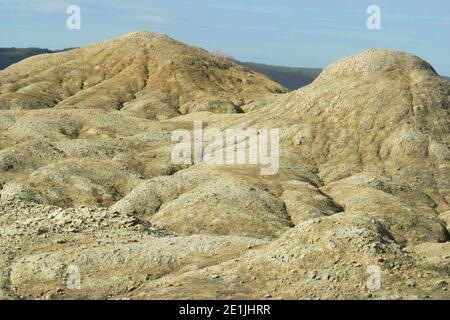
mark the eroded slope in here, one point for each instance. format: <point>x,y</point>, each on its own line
<point>363,184</point>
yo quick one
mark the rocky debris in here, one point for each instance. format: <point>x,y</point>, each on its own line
<point>27,219</point>
<point>14,191</point>
<point>106,246</point>
<point>301,264</point>
<point>108,270</point>
<point>331,250</point>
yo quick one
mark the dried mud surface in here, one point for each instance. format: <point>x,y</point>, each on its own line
<point>86,178</point>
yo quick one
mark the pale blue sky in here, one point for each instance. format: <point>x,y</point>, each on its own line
<point>307,33</point>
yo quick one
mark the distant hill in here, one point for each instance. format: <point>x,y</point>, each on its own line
<point>9,56</point>
<point>291,78</point>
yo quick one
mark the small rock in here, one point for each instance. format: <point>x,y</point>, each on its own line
<point>41,231</point>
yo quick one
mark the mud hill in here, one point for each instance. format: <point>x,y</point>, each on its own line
<point>142,72</point>
<point>86,178</point>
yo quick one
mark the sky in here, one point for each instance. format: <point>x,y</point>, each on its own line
<point>297,33</point>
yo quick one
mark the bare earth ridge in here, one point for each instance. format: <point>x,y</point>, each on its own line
<point>86,178</point>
